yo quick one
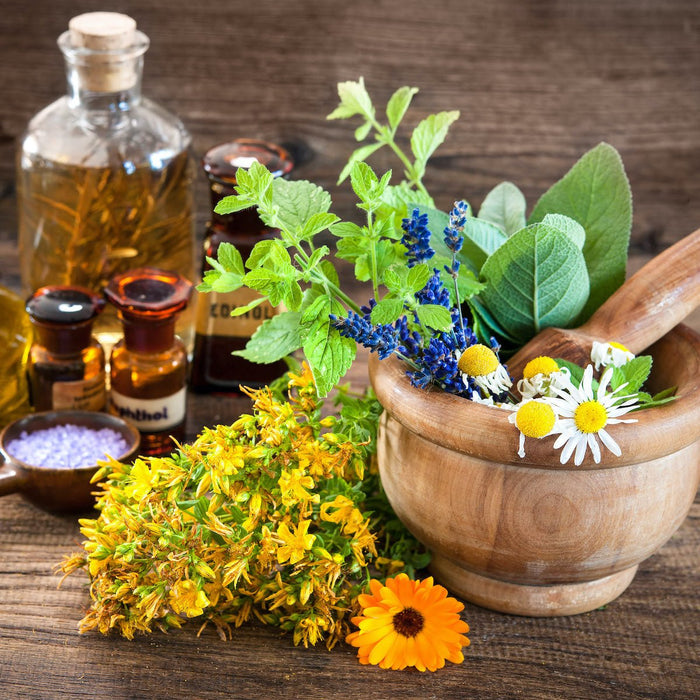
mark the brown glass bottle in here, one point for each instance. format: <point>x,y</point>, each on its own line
<point>148,367</point>
<point>66,365</point>
<point>217,333</point>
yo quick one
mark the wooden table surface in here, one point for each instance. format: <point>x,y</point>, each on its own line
<point>537,83</point>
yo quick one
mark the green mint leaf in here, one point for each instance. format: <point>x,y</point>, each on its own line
<point>665,394</point>
<point>230,258</point>
<point>297,201</point>
<point>291,295</point>
<point>346,228</point>
<point>274,339</point>
<point>210,276</point>
<point>330,272</point>
<point>364,181</point>
<point>232,204</point>
<point>398,104</point>
<point>256,182</point>
<point>567,225</point>
<point>317,223</point>
<point>536,279</point>
<point>504,206</point>
<point>633,373</point>
<point>395,278</point>
<point>418,277</point>
<point>387,311</point>
<point>596,193</point>
<point>357,156</point>
<point>328,353</point>
<point>434,316</point>
<point>354,99</point>
<point>362,131</point>
<point>240,310</point>
<point>226,282</point>
<point>317,255</point>
<point>428,135</point>
<point>263,253</point>
<point>271,283</point>
<point>388,254</point>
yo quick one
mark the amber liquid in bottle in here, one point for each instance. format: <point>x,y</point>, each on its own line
<point>217,333</point>
<point>148,367</point>
<point>66,365</point>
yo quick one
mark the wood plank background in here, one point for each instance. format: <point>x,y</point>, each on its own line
<point>538,83</point>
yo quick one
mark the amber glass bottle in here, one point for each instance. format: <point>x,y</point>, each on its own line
<point>218,333</point>
<point>148,366</point>
<point>66,364</point>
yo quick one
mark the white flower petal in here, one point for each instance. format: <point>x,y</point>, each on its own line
<point>595,449</point>
<point>580,450</point>
<point>607,440</point>
<point>568,449</point>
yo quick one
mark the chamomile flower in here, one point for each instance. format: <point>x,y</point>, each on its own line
<point>481,364</point>
<point>584,414</point>
<point>534,418</point>
<point>541,376</point>
<point>606,354</point>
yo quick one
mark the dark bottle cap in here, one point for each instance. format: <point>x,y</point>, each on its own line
<point>221,162</point>
<point>62,316</point>
<point>148,299</point>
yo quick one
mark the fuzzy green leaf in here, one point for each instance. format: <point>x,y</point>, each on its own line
<point>274,339</point>
<point>536,279</point>
<point>567,225</point>
<point>354,99</point>
<point>504,206</point>
<point>596,193</point>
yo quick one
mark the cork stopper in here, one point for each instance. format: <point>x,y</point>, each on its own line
<point>104,47</point>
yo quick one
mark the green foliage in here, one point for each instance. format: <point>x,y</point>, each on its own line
<point>596,194</point>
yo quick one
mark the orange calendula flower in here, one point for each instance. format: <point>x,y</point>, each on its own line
<point>409,623</point>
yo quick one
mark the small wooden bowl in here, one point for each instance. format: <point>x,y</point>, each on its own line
<point>532,536</point>
<point>59,489</point>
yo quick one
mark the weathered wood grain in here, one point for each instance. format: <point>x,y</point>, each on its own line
<point>537,84</point>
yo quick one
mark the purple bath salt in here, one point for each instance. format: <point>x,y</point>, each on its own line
<point>67,446</point>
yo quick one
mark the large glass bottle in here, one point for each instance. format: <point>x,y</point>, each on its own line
<point>148,366</point>
<point>218,334</point>
<point>104,176</point>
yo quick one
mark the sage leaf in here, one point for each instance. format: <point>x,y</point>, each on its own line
<point>481,239</point>
<point>274,339</point>
<point>536,279</point>
<point>504,206</point>
<point>567,225</point>
<point>596,193</point>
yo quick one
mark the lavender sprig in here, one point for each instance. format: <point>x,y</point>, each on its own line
<point>416,238</point>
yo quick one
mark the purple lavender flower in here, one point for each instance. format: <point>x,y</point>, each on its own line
<point>381,339</point>
<point>434,292</point>
<point>416,238</point>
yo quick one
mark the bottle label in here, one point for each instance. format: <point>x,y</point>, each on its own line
<point>150,415</point>
<point>81,395</point>
<point>214,314</point>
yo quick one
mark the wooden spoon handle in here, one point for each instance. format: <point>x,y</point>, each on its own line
<point>651,302</point>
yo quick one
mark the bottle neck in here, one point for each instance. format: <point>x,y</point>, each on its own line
<point>83,95</point>
<point>148,336</point>
<point>63,340</point>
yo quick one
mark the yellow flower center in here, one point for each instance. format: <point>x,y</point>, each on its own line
<point>540,365</point>
<point>619,346</point>
<point>590,417</point>
<point>535,419</point>
<point>478,361</point>
<point>409,622</point>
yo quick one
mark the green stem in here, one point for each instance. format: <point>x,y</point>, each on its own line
<point>373,256</point>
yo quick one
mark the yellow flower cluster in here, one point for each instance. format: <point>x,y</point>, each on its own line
<point>262,518</point>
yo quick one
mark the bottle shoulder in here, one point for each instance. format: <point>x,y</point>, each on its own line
<point>146,133</point>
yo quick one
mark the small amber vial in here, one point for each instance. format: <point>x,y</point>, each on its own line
<point>218,334</point>
<point>66,364</point>
<point>148,366</point>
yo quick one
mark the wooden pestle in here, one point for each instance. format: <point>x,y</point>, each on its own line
<point>651,302</point>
